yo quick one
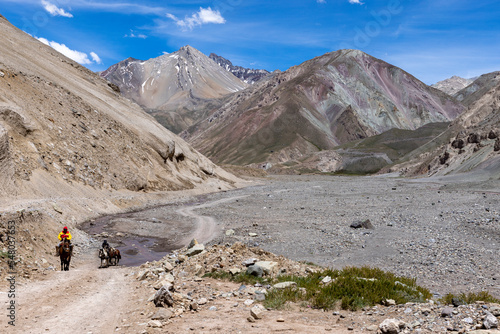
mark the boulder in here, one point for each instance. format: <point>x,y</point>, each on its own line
<point>196,249</point>
<point>492,134</point>
<point>163,297</point>
<point>266,266</point>
<point>490,321</point>
<point>391,326</point>
<point>458,143</point>
<point>255,270</point>
<point>362,224</point>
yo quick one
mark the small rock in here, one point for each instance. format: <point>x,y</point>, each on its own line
<point>257,311</point>
<point>212,308</point>
<point>251,234</point>
<point>284,285</point>
<point>251,319</point>
<point>280,320</point>
<point>372,328</point>
<point>248,302</point>
<point>326,280</point>
<point>202,301</point>
<point>162,314</point>
<point>234,271</point>
<point>229,233</point>
<point>490,321</point>
<point>249,262</point>
<point>468,320</point>
<point>389,302</point>
<point>155,324</point>
<point>56,208</point>
<point>447,312</point>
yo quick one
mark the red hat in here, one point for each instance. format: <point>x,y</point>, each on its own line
<point>65,228</point>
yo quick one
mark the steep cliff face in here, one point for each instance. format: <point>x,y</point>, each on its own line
<point>176,87</point>
<point>329,100</point>
<point>62,128</point>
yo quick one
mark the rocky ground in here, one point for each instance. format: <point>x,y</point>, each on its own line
<point>446,235</point>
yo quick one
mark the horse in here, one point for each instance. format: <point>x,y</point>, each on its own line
<point>112,258</point>
<point>114,254</point>
<point>65,254</point>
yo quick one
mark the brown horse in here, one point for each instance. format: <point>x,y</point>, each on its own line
<point>65,254</point>
<point>110,256</point>
<point>114,256</point>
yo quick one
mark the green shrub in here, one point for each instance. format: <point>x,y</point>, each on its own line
<point>352,288</point>
<point>470,298</point>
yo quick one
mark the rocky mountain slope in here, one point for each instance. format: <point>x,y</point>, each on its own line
<point>332,99</point>
<point>452,85</point>
<point>176,87</point>
<point>474,144</point>
<point>62,124</point>
<point>478,88</point>
<point>247,75</point>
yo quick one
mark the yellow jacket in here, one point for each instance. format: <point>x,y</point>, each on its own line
<point>63,235</point>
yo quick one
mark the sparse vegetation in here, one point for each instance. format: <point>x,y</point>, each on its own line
<point>470,298</point>
<point>352,288</point>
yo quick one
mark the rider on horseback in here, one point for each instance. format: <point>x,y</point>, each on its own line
<point>105,247</point>
<point>64,235</point>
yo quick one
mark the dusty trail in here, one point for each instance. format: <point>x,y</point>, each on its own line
<point>84,299</point>
<point>206,227</point>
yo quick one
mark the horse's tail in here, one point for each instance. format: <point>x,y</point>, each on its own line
<point>119,255</point>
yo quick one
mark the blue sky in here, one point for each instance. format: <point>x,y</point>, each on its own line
<point>432,40</point>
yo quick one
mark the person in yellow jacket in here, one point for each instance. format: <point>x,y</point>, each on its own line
<point>64,235</point>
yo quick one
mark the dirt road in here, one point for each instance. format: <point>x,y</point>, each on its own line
<point>84,299</point>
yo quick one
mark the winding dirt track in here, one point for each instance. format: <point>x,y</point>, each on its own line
<point>206,227</point>
<point>86,299</point>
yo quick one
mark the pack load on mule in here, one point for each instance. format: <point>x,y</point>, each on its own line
<point>109,255</point>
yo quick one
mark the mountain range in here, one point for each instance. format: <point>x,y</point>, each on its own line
<point>319,115</point>
<point>327,101</point>
<point>247,75</point>
<point>176,88</point>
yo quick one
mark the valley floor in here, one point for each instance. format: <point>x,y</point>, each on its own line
<point>445,235</point>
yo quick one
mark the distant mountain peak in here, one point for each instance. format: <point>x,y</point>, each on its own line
<point>452,85</point>
<point>247,75</point>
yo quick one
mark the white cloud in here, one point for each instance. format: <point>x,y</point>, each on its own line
<point>321,1</point>
<point>358,2</point>
<point>54,10</point>
<point>134,35</point>
<point>79,57</point>
<point>205,15</point>
<point>96,58</point>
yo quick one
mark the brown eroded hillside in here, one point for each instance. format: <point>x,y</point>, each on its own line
<point>61,124</point>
